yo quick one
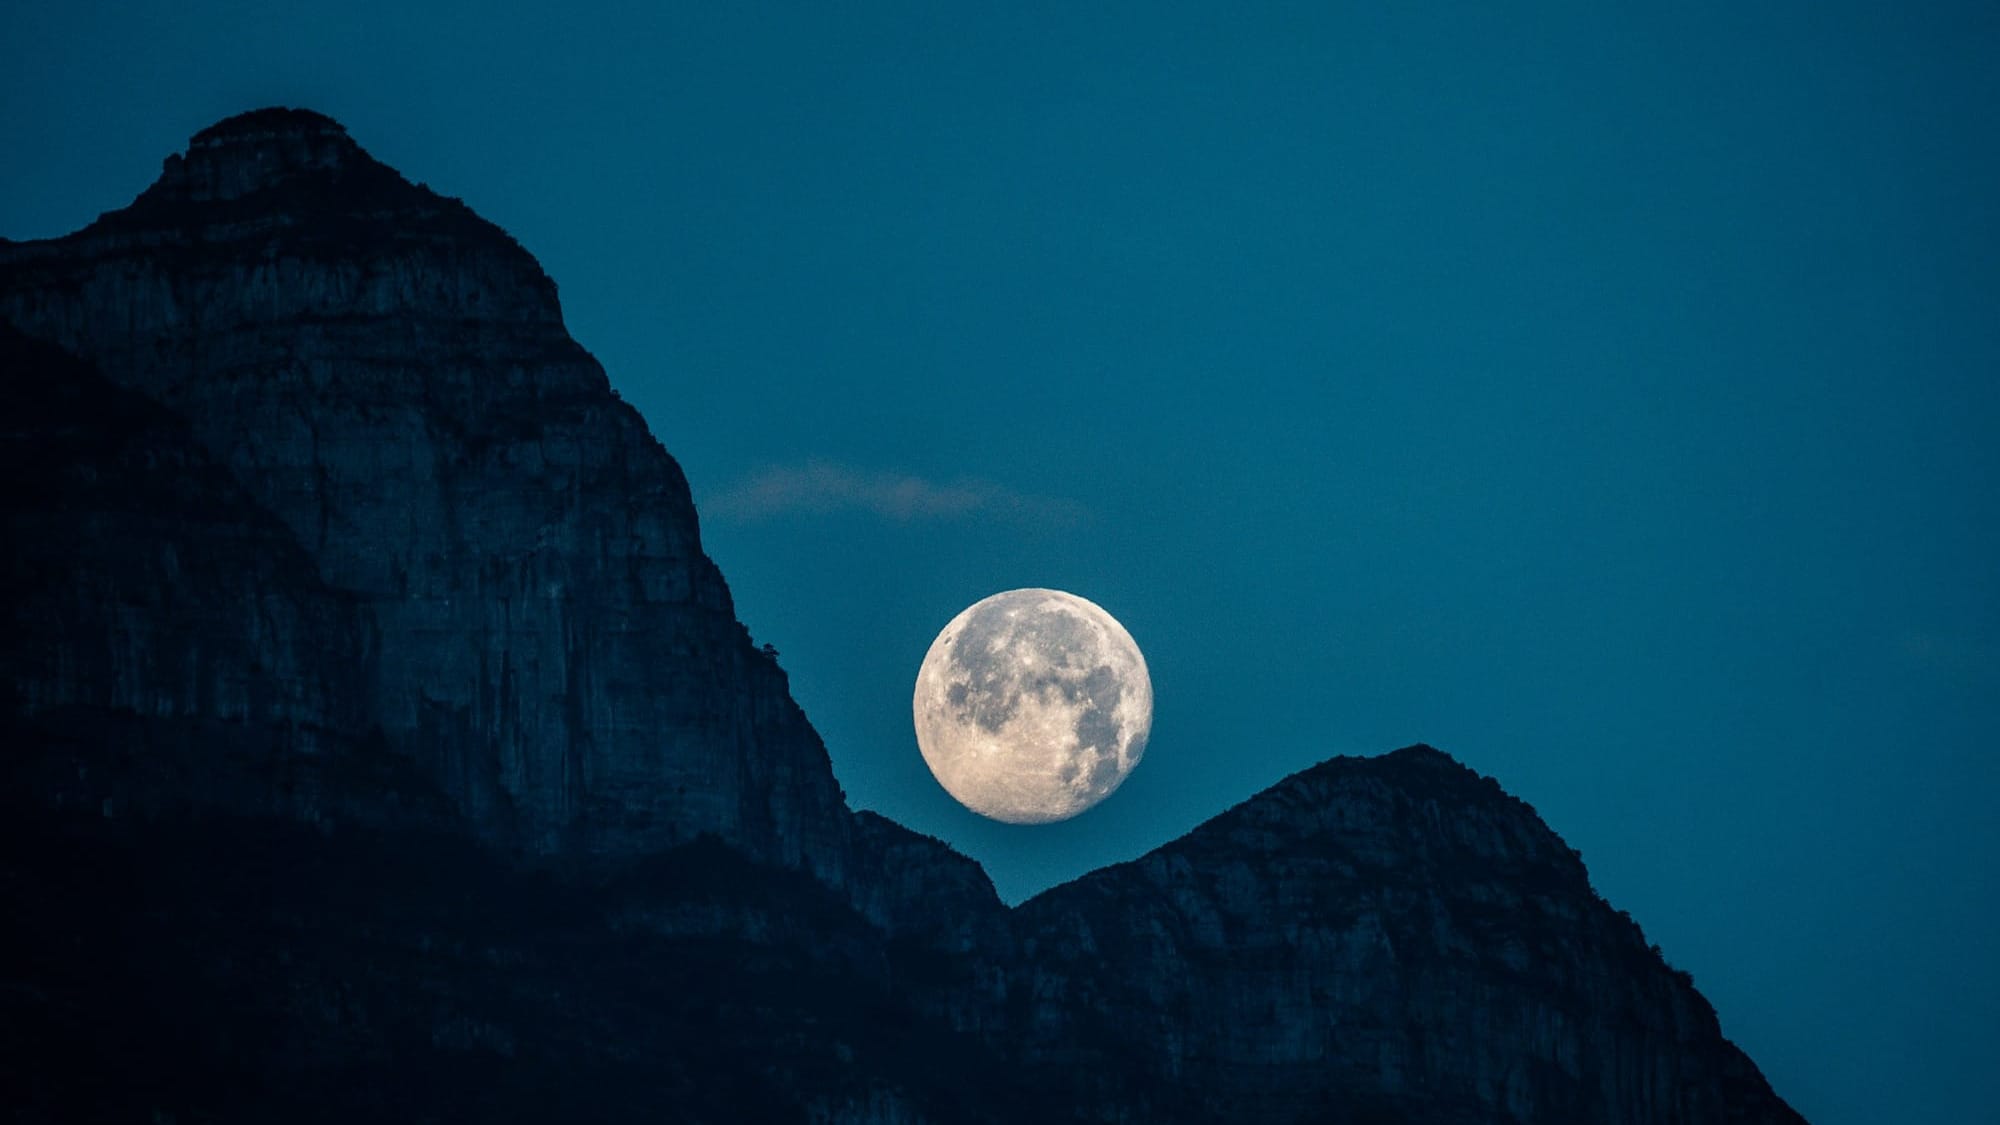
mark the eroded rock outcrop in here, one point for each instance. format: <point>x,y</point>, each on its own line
<point>389,376</point>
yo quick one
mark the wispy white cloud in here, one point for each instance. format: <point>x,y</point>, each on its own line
<point>822,487</point>
<point>1951,655</point>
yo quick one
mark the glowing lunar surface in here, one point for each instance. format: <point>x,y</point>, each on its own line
<point>1032,706</point>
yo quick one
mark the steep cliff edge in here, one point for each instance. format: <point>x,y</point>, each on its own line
<point>389,375</point>
<point>333,561</point>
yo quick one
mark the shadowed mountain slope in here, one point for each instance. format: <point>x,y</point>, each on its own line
<point>380,743</point>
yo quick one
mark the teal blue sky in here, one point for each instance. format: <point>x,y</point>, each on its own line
<point>1605,394</point>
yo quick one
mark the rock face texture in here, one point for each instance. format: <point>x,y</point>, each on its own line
<point>140,576</point>
<point>389,376</point>
<point>1394,934</point>
<point>376,742</point>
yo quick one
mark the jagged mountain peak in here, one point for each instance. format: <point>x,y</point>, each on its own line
<point>1415,786</point>
<point>1414,757</point>
<point>258,151</point>
<point>388,375</point>
<point>1419,764</point>
<point>1424,753</point>
<point>1413,808</point>
<point>268,122</point>
<point>1401,909</point>
<point>289,190</point>
<point>278,217</point>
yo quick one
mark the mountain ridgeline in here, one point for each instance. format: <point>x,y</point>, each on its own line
<point>381,744</point>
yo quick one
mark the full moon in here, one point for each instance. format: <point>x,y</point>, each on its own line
<point>1032,706</point>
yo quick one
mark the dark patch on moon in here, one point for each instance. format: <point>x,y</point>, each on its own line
<point>987,698</point>
<point>1098,726</point>
<point>982,655</point>
<point>1104,771</point>
<point>986,652</point>
<point>1032,655</point>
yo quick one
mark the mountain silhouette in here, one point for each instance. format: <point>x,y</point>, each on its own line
<point>382,744</point>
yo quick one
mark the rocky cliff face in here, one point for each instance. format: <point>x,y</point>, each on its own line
<point>168,647</point>
<point>141,577</point>
<point>389,376</point>
<point>333,562</point>
<point>1391,933</point>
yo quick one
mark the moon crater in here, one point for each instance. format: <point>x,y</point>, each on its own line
<point>1032,706</point>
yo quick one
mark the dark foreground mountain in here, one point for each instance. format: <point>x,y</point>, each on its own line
<point>381,745</point>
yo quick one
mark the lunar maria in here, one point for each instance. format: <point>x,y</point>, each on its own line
<point>1033,705</point>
